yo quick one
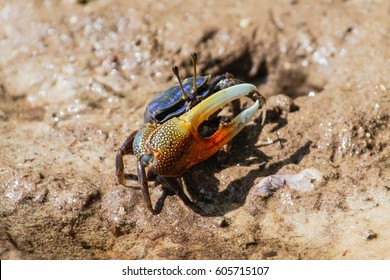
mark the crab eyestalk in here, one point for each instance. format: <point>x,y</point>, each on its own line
<point>194,59</point>
<point>175,71</point>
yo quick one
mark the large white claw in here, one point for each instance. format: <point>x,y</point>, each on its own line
<point>207,107</point>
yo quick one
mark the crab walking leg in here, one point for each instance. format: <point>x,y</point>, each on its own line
<point>143,181</point>
<point>174,186</point>
<point>125,149</point>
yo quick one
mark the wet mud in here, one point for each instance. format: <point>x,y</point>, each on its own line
<point>75,77</point>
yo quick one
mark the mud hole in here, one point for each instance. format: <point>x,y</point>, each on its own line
<point>75,77</point>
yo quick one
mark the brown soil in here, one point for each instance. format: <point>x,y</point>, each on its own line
<point>75,79</point>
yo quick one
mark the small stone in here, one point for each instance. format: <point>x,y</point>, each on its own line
<point>40,197</point>
<point>245,22</point>
<point>270,254</point>
<point>250,241</point>
<point>279,106</point>
<point>221,222</point>
<point>383,87</point>
<point>369,234</point>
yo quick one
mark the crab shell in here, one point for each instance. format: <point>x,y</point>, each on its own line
<point>171,102</point>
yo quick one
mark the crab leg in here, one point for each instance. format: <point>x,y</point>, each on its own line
<point>125,149</point>
<point>143,180</point>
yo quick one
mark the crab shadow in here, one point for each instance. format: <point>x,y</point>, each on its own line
<point>212,201</point>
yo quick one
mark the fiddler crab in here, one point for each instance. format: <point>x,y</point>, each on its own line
<point>170,142</point>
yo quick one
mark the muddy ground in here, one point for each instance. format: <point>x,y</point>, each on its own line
<point>76,76</point>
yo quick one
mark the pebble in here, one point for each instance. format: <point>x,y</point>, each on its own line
<point>369,234</point>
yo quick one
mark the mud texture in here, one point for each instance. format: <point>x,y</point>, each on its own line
<point>75,77</point>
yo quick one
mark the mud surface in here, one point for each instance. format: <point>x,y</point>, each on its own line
<point>74,82</point>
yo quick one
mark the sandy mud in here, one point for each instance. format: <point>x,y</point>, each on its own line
<point>75,77</point>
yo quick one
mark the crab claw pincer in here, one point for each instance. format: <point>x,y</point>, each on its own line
<point>226,131</point>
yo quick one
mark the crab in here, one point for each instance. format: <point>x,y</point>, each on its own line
<point>183,96</point>
<point>170,141</point>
